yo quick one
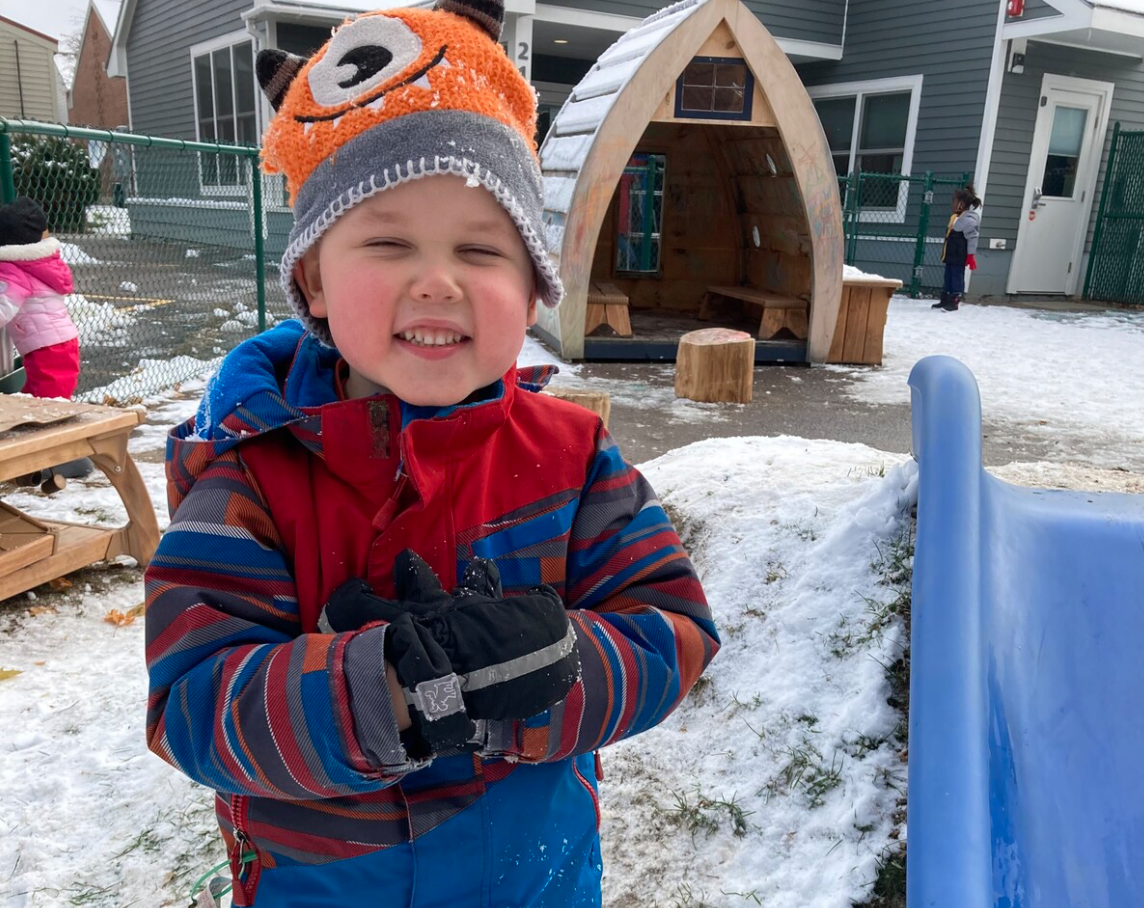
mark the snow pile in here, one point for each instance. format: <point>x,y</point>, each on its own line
<point>73,255</point>
<point>100,322</point>
<point>784,532</point>
<point>108,220</point>
<point>1077,378</point>
<point>149,378</point>
<point>777,781</point>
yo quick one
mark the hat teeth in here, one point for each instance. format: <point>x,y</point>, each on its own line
<point>423,82</point>
<point>377,104</point>
<point>488,14</point>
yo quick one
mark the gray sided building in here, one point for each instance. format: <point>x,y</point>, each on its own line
<point>1024,104</point>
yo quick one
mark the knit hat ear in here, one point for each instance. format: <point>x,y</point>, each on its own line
<point>276,69</point>
<point>488,14</point>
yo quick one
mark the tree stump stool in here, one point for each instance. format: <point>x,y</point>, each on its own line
<point>599,402</point>
<point>715,365</point>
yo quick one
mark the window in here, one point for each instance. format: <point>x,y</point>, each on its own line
<point>1063,158</point>
<point>639,221</point>
<point>870,127</point>
<point>225,109</point>
<point>720,88</point>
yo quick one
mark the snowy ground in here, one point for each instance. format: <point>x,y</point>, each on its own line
<point>1075,378</point>
<point>779,782</point>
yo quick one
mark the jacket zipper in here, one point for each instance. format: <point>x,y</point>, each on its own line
<point>244,855</point>
<point>389,510</point>
<point>591,791</point>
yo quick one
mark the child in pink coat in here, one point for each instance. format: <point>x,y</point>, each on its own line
<point>33,283</point>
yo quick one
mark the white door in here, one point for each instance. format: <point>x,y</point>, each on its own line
<point>1067,144</point>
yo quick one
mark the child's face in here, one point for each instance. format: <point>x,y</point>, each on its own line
<point>428,288</point>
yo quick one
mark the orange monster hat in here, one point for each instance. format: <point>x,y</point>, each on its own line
<point>396,96</point>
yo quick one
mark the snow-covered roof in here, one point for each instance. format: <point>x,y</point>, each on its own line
<point>574,130</point>
<point>1128,6</point>
<point>108,11</point>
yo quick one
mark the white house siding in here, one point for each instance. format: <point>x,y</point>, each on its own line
<point>949,44</point>
<point>37,76</point>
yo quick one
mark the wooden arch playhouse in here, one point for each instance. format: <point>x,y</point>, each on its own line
<point>688,183</point>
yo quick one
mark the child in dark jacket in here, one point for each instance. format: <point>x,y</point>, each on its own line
<point>960,249</point>
<point>404,599</point>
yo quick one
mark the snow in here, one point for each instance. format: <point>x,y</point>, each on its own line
<point>790,733</point>
<point>108,220</point>
<point>129,287</point>
<point>1074,378</point>
<point>1131,6</point>
<point>73,255</point>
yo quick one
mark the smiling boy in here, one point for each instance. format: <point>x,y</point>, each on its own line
<point>404,599</point>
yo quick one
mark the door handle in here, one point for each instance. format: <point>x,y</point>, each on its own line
<point>1037,203</point>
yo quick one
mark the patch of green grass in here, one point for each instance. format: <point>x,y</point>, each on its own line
<point>806,769</point>
<point>890,885</point>
<point>703,814</point>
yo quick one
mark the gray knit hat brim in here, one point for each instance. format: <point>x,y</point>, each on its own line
<point>433,143</point>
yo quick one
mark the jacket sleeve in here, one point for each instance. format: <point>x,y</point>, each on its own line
<point>644,630</point>
<point>239,699</point>
<point>969,224</point>
<point>12,297</point>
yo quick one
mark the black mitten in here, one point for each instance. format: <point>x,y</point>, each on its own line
<point>515,656</point>
<point>431,687</point>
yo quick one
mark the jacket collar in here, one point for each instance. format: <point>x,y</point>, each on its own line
<point>30,252</point>
<point>286,378</point>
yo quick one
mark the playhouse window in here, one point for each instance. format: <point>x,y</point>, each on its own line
<point>639,218</point>
<point>720,88</point>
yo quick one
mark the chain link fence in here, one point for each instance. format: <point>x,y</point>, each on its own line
<point>895,226</point>
<point>1116,264</point>
<point>173,247</point>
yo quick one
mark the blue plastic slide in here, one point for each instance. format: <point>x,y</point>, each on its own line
<point>1027,684</point>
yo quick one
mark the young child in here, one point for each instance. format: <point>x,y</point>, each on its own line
<point>33,283</point>
<point>373,738</point>
<point>960,249</point>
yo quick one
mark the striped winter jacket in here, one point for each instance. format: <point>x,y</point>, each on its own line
<point>280,491</point>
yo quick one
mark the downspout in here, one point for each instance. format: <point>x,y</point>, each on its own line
<point>19,80</point>
<point>992,110</point>
<point>992,104</point>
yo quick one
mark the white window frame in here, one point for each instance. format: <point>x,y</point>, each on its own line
<point>206,47</point>
<point>859,91</point>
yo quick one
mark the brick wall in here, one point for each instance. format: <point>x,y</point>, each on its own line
<point>96,99</point>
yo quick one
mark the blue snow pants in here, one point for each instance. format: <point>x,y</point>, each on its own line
<point>531,842</point>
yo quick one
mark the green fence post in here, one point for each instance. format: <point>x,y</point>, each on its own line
<point>1094,252</point>
<point>923,235</point>
<point>7,182</point>
<point>259,252</point>
<point>855,217</point>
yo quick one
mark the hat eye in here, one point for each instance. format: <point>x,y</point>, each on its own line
<point>361,56</point>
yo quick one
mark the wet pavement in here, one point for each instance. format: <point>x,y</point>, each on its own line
<point>809,402</point>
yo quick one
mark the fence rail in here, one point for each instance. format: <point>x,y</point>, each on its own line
<point>168,243</point>
<point>1116,263</point>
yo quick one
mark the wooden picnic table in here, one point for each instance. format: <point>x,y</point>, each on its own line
<point>36,434</point>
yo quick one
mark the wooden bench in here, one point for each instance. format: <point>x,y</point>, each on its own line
<point>861,324</point>
<point>35,434</point>
<point>608,305</point>
<point>779,311</point>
